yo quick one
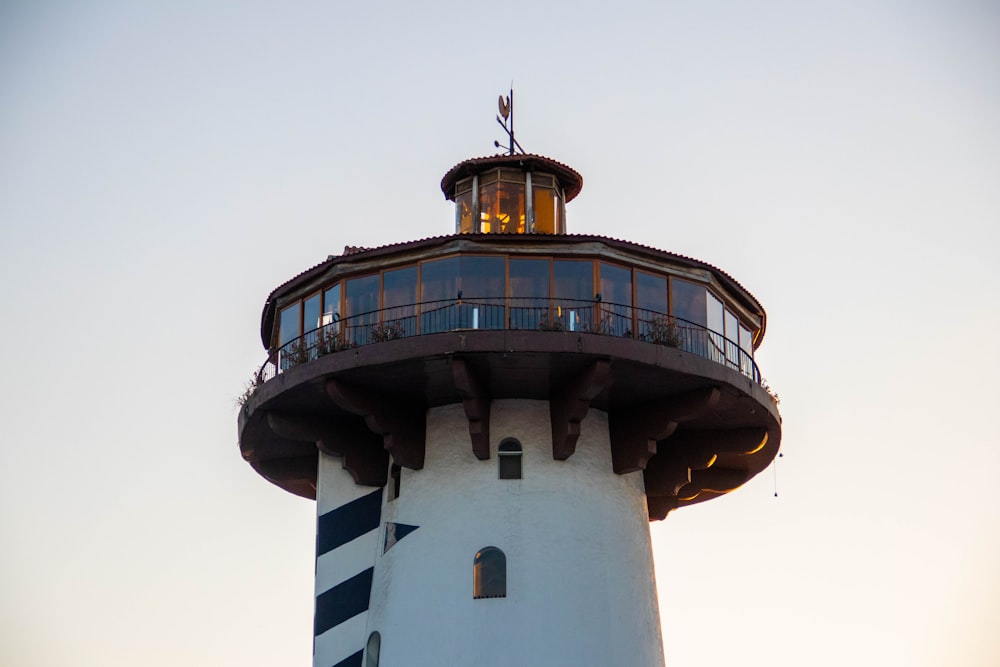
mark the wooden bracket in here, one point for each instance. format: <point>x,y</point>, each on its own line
<point>476,401</point>
<point>634,433</point>
<point>570,403</point>
<point>685,465</point>
<point>660,506</point>
<point>361,450</point>
<point>636,430</point>
<point>719,480</point>
<point>403,428</point>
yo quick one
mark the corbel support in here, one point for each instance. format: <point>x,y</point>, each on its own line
<point>660,506</point>
<point>686,465</point>
<point>634,433</point>
<point>570,403</point>
<point>476,401</point>
<point>718,480</point>
<point>719,442</point>
<point>363,456</point>
<point>402,428</point>
<point>636,430</point>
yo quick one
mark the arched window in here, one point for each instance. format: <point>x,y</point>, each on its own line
<point>372,649</point>
<point>509,462</point>
<point>489,574</point>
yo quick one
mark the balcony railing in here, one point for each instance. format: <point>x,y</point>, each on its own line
<point>497,313</point>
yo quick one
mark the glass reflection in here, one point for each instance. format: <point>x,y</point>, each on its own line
<point>463,213</point>
<point>482,286</point>
<point>688,304</point>
<point>310,313</point>
<point>616,301</point>
<point>331,305</point>
<point>546,204</point>
<point>529,292</point>
<point>399,294</point>
<point>714,319</point>
<point>650,300</point>
<point>501,208</point>
<point>361,306</point>
<point>288,325</point>
<point>438,291</point>
<point>573,294</point>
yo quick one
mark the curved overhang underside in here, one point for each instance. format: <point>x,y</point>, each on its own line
<point>696,428</point>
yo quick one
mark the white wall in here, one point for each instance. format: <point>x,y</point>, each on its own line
<point>580,583</point>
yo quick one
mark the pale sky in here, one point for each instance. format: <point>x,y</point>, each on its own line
<point>163,166</point>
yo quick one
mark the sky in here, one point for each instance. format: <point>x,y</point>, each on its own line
<point>163,166</point>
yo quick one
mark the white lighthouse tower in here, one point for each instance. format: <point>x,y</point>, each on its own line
<point>489,420</point>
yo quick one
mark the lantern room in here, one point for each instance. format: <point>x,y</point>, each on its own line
<point>511,194</point>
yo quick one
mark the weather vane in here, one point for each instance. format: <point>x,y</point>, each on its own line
<point>507,111</point>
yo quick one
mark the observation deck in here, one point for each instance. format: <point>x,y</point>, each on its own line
<point>363,344</point>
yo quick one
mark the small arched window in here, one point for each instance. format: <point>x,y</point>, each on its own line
<point>489,574</point>
<point>509,459</point>
<point>372,650</point>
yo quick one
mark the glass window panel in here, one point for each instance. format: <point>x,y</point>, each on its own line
<point>438,291</point>
<point>544,180</point>
<point>746,340</point>
<point>310,313</point>
<point>746,359</point>
<point>331,305</point>
<point>482,283</point>
<point>573,292</point>
<point>488,197</point>
<point>713,313</point>
<point>714,317</point>
<point>651,303</point>
<point>399,296</point>
<point>463,213</point>
<point>732,340</point>
<point>501,208</point>
<point>360,308</point>
<point>688,302</point>
<point>546,203</point>
<point>288,327</point>
<point>529,292</point>
<point>688,308</point>
<point>616,300</point>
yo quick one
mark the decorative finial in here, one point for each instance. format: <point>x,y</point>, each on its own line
<point>506,106</point>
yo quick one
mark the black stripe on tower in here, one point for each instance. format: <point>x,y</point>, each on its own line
<point>341,525</point>
<point>345,600</point>
<point>351,660</point>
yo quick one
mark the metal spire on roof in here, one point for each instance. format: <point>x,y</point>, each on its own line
<point>507,111</point>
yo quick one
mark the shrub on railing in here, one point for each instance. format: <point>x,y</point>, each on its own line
<point>547,323</point>
<point>330,341</point>
<point>388,331</point>
<point>249,388</point>
<point>297,352</point>
<point>663,331</point>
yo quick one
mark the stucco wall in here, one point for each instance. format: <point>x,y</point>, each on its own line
<point>580,583</point>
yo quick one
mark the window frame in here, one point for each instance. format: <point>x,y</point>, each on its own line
<point>506,454</point>
<point>489,574</point>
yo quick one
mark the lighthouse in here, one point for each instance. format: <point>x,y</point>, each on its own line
<point>489,420</point>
